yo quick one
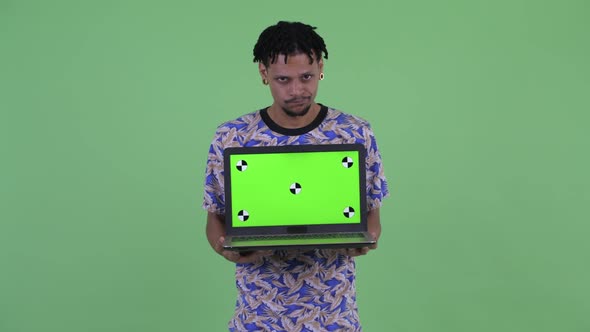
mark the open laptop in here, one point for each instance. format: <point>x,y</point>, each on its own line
<point>296,196</point>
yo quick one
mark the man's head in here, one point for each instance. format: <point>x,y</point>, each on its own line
<point>289,56</point>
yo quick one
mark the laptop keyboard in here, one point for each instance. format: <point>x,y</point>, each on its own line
<point>298,236</point>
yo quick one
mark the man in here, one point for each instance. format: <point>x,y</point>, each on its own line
<point>293,290</point>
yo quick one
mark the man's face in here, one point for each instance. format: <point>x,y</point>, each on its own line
<point>294,84</point>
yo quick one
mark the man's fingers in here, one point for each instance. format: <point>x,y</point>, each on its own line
<point>353,252</point>
<point>363,250</point>
<point>244,257</point>
<point>231,256</point>
<point>254,256</point>
<point>263,253</point>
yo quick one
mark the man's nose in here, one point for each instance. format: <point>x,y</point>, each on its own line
<point>296,88</point>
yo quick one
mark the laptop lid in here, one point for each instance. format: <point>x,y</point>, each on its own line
<point>295,189</point>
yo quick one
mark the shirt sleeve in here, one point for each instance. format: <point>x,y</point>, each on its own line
<point>226,135</point>
<point>377,188</point>
<point>214,196</point>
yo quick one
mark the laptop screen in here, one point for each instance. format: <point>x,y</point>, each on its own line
<point>310,185</point>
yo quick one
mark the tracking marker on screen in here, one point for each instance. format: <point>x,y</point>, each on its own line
<point>241,165</point>
<point>347,162</point>
<point>243,215</point>
<point>295,188</point>
<point>348,212</point>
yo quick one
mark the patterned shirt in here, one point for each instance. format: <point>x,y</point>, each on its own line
<point>295,290</point>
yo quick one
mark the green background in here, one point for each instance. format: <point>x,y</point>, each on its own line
<point>263,189</point>
<point>481,113</point>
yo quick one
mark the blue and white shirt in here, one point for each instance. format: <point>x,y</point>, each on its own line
<point>295,290</point>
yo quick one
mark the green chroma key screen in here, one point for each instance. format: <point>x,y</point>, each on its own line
<point>303,188</point>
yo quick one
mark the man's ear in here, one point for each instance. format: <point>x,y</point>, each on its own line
<point>321,64</point>
<point>263,71</point>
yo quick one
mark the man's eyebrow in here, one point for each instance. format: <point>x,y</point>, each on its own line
<point>287,76</point>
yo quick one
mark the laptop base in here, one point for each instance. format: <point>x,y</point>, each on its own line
<point>307,241</point>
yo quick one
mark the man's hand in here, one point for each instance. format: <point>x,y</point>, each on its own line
<point>237,257</point>
<point>374,225</point>
<point>353,252</point>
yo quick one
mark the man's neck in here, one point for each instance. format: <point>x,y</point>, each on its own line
<point>293,122</point>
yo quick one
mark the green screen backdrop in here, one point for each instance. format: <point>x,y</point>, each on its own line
<point>480,109</point>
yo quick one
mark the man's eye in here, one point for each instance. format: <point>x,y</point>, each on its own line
<point>307,77</point>
<point>282,79</point>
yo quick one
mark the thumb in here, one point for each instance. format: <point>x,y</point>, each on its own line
<point>219,245</point>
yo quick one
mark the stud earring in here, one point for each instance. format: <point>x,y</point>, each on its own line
<point>321,76</point>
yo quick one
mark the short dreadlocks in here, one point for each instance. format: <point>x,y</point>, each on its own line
<point>289,38</point>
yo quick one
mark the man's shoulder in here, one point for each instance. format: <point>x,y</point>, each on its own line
<point>340,117</point>
<point>243,121</point>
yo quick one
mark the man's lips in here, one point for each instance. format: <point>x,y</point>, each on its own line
<point>298,101</point>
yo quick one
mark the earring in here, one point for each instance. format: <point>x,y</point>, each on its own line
<point>264,81</point>
<point>321,76</point>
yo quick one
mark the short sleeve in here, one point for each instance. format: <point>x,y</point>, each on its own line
<point>214,196</point>
<point>228,134</point>
<point>377,188</point>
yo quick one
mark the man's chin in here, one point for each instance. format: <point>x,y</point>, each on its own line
<point>296,113</point>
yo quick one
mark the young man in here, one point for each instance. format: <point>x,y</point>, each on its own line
<point>293,290</point>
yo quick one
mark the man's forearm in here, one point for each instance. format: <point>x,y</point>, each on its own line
<point>374,223</point>
<point>215,228</point>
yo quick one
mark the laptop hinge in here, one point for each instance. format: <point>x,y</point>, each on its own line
<point>297,230</point>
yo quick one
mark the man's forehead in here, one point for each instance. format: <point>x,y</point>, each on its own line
<point>293,58</point>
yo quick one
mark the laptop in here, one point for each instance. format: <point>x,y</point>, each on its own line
<point>295,197</point>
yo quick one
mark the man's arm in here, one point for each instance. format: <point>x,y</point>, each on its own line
<point>374,224</point>
<point>374,228</point>
<point>215,229</point>
<point>216,235</point>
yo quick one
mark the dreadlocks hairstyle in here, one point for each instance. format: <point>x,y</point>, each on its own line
<point>289,38</point>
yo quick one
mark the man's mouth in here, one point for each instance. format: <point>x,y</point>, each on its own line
<point>297,101</point>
